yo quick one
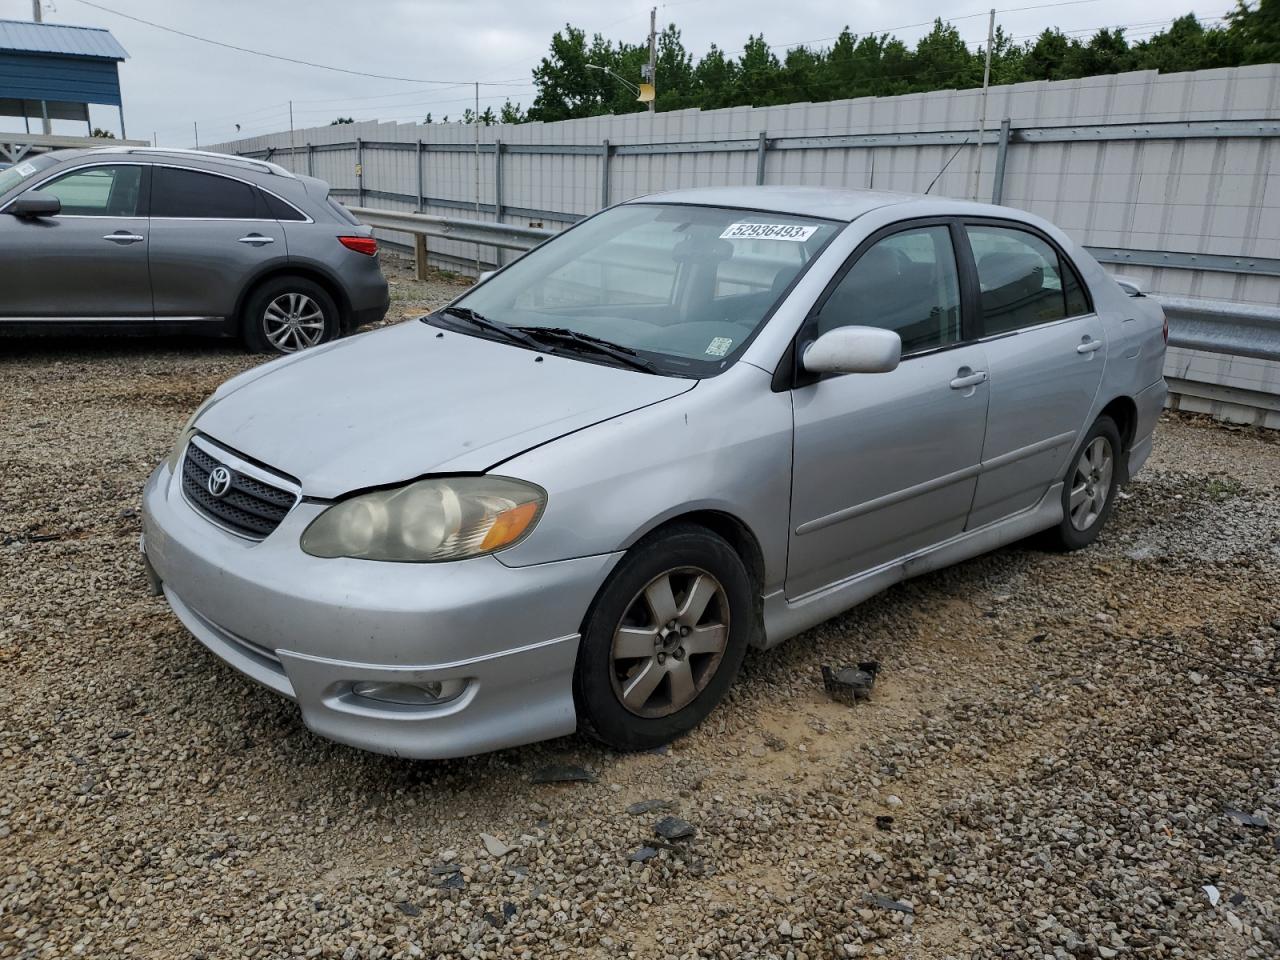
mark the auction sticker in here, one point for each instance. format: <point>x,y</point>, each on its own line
<point>768,231</point>
<point>26,169</point>
<point>719,347</point>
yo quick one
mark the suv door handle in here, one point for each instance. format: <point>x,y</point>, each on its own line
<point>1089,345</point>
<point>969,380</point>
<point>122,237</point>
<point>255,239</point>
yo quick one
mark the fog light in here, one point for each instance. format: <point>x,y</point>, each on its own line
<point>410,694</point>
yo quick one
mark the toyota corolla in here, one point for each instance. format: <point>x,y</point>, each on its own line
<point>692,424</point>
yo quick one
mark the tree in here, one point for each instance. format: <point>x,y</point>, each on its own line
<point>340,121</point>
<point>943,60</point>
<point>1047,57</point>
<point>102,134</point>
<point>511,113</point>
<point>427,118</point>
<point>1257,30</point>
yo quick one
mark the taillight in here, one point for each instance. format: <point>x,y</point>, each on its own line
<point>1166,331</point>
<point>366,245</point>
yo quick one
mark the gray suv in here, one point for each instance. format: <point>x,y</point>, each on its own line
<point>182,241</point>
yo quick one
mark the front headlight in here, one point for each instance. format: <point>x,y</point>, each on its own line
<point>446,518</point>
<point>180,443</point>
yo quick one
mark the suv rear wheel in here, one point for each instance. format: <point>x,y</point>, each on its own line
<point>289,314</point>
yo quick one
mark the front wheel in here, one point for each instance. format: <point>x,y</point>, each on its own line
<point>663,640</point>
<point>289,314</point>
<point>1090,487</point>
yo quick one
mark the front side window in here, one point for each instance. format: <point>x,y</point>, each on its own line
<point>907,283</point>
<point>1022,279</point>
<point>24,170</point>
<point>190,194</point>
<point>684,287</point>
<point>106,191</point>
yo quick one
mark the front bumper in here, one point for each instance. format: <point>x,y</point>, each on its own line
<point>308,628</point>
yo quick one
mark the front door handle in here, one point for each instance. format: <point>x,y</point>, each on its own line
<point>256,239</point>
<point>123,237</point>
<point>1089,345</point>
<point>968,379</point>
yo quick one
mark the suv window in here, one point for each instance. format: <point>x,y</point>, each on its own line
<point>1022,280</point>
<point>277,209</point>
<point>190,194</point>
<point>908,283</point>
<point>106,191</point>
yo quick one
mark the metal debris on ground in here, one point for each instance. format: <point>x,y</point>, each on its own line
<point>561,773</point>
<point>888,903</point>
<point>673,828</point>
<point>851,684</point>
<point>649,806</point>
<point>1246,819</point>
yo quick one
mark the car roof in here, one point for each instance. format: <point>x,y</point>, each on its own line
<point>830,203</point>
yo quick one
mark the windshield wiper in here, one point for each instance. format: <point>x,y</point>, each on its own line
<point>506,331</point>
<point>572,338</point>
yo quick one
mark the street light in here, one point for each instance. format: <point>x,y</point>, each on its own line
<point>622,80</point>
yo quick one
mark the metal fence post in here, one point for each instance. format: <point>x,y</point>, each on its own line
<point>311,152</point>
<point>605,151</point>
<point>761,150</point>
<point>420,256</point>
<point>418,170</point>
<point>360,171</point>
<point>497,194</point>
<point>1002,151</point>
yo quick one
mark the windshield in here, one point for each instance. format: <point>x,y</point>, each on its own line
<point>685,287</point>
<point>24,170</point>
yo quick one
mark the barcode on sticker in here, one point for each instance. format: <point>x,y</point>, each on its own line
<point>767,231</point>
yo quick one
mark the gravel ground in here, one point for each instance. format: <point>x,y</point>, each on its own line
<point>1059,754</point>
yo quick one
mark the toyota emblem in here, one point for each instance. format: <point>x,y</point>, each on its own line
<point>219,481</point>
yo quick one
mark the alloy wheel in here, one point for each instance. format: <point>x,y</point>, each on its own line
<point>1091,483</point>
<point>670,642</point>
<point>293,322</point>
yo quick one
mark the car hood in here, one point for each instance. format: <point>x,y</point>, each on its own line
<point>395,404</point>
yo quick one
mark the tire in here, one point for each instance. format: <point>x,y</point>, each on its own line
<point>1092,480</point>
<point>288,314</point>
<point>683,686</point>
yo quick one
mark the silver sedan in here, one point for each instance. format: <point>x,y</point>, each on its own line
<point>694,423</point>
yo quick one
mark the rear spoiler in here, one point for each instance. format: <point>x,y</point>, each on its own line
<point>1129,285</point>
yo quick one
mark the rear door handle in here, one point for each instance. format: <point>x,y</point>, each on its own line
<point>1089,346</point>
<point>255,239</point>
<point>969,380</point>
<point>121,237</point>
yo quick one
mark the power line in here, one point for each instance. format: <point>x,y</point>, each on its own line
<point>263,53</point>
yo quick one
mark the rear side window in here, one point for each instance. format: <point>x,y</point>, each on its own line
<point>1023,280</point>
<point>189,194</point>
<point>906,282</point>
<point>106,191</point>
<point>277,209</point>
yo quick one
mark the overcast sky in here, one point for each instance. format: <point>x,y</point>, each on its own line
<point>169,80</point>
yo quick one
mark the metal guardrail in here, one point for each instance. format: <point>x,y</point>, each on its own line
<point>505,235</point>
<point>1221,326</point>
<point>1215,326</point>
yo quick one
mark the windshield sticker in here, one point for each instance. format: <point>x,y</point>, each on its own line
<point>719,346</point>
<point>26,169</point>
<point>767,231</point>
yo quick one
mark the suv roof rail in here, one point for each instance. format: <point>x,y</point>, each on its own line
<point>265,166</point>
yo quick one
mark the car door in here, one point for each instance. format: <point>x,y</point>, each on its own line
<point>89,261</point>
<point>886,464</point>
<point>1046,350</point>
<point>210,234</point>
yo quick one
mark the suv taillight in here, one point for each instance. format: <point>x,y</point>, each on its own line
<point>366,245</point>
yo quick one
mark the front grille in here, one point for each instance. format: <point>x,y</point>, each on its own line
<point>250,508</point>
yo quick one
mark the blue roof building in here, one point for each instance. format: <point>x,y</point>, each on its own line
<point>49,71</point>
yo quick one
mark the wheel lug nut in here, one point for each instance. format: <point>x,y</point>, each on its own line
<point>662,658</point>
<point>684,631</point>
<point>679,654</point>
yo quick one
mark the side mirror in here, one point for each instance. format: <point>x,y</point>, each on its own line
<point>854,350</point>
<point>35,204</point>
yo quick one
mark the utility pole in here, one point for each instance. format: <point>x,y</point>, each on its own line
<point>292,146</point>
<point>37,12</point>
<point>196,128</point>
<point>982,122</point>
<point>653,56</point>
<point>476,120</point>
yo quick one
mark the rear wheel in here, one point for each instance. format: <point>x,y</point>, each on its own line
<point>1089,488</point>
<point>289,314</point>
<point>664,639</point>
